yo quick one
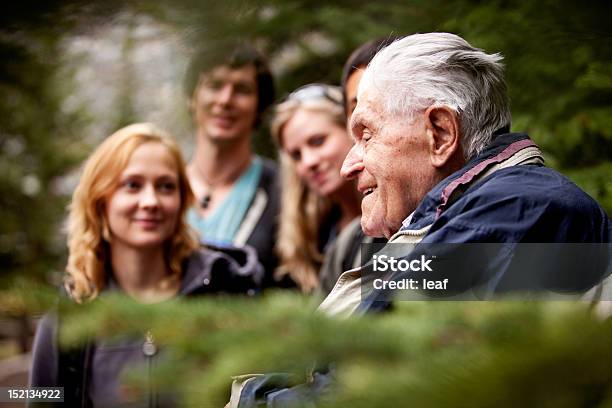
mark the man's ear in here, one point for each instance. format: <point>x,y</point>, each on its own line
<point>442,126</point>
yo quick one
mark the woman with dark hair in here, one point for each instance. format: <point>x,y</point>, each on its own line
<point>127,234</point>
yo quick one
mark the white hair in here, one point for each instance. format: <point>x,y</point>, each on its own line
<point>443,69</point>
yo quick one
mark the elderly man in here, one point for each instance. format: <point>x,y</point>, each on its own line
<point>436,165</point>
<point>435,162</point>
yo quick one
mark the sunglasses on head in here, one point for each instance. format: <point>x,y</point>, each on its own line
<point>316,91</point>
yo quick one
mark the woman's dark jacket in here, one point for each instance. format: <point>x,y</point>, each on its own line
<point>205,272</point>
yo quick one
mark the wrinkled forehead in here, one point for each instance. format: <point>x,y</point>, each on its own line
<point>367,114</point>
<point>361,110</point>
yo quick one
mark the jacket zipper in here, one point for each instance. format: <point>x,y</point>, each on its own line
<point>411,233</point>
<point>149,349</point>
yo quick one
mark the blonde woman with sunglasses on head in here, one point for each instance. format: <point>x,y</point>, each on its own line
<point>317,203</point>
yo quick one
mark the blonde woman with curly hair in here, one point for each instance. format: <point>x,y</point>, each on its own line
<point>127,233</point>
<point>318,204</point>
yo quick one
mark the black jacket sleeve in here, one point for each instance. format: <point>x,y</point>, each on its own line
<point>43,372</point>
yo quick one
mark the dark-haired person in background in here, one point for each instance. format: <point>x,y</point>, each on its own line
<point>236,191</point>
<point>354,67</point>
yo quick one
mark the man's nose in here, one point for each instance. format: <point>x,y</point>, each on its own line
<point>225,94</point>
<point>353,163</point>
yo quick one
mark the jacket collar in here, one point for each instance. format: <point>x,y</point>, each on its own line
<point>199,269</point>
<point>437,200</point>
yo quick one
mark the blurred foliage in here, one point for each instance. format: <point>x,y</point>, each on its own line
<point>559,72</point>
<point>38,141</point>
<point>558,58</point>
<point>424,354</point>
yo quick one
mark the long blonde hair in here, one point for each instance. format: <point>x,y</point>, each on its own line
<point>303,211</point>
<point>87,227</point>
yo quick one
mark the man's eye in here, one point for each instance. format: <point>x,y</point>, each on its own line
<point>244,89</point>
<point>214,84</point>
<point>357,130</point>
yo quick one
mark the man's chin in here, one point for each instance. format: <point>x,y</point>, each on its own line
<point>224,137</point>
<point>222,134</point>
<point>371,229</point>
